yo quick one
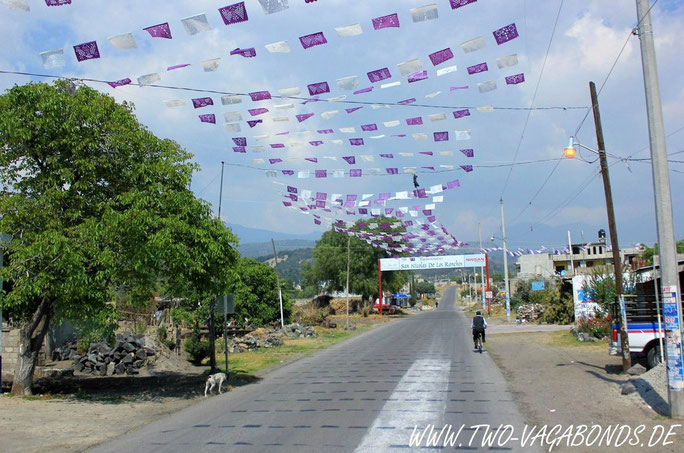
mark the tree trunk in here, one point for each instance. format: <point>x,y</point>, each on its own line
<point>31,338</point>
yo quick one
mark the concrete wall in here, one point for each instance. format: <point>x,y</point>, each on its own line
<point>10,349</point>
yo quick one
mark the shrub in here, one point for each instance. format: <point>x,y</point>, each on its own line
<point>196,348</point>
<point>365,311</point>
<point>598,327</point>
<point>309,315</point>
<point>561,311</point>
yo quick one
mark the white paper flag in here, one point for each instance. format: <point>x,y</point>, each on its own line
<point>232,127</point>
<point>21,5</point>
<point>379,106</point>
<point>348,83</point>
<point>410,67</point>
<point>336,142</point>
<point>437,117</point>
<point>257,148</point>
<point>419,136</point>
<point>338,173</point>
<point>367,157</point>
<point>175,103</point>
<point>348,130</point>
<point>473,45</point>
<point>232,99</point>
<point>487,86</point>
<point>280,119</point>
<point>122,42</point>
<point>429,206</point>
<point>258,161</point>
<point>508,60</point>
<point>406,154</point>
<point>447,70</point>
<point>438,199</point>
<point>278,47</point>
<point>462,135</point>
<point>196,24</point>
<point>402,196</point>
<point>231,117</point>
<point>303,175</point>
<point>410,170</point>
<point>437,188</point>
<point>432,95</point>
<point>53,58</point>
<point>260,137</point>
<point>393,123</point>
<point>376,137</point>
<point>149,79</point>
<point>349,30</point>
<point>273,6</point>
<point>428,12</point>
<point>337,98</point>
<point>446,153</point>
<point>485,109</point>
<point>329,114</point>
<point>292,91</point>
<point>211,65</point>
<point>390,85</point>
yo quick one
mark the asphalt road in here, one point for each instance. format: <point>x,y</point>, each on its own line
<point>364,395</point>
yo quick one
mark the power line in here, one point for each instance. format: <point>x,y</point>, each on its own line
<point>296,98</point>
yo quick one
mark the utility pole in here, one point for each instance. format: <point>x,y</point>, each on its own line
<point>280,293</point>
<point>221,191</point>
<point>479,230</point>
<point>667,246</point>
<point>572,261</point>
<point>347,286</point>
<point>505,257</point>
<point>212,306</point>
<point>617,264</point>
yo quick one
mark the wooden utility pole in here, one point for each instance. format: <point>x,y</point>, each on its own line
<point>280,293</point>
<point>347,287</point>
<point>617,263</point>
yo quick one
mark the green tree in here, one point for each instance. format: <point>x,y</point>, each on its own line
<point>256,293</point>
<point>329,268</point>
<point>650,252</point>
<point>96,205</point>
<point>425,288</point>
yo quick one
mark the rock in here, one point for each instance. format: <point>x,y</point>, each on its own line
<point>138,363</point>
<point>272,341</point>
<point>128,347</point>
<point>78,366</point>
<point>119,368</point>
<point>636,370</point>
<point>127,360</point>
<point>586,337</point>
<point>110,368</point>
<point>141,354</point>
<point>131,370</point>
<point>92,357</point>
<point>149,352</point>
<point>530,312</point>
<point>627,388</point>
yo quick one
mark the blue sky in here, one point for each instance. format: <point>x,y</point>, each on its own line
<point>587,40</point>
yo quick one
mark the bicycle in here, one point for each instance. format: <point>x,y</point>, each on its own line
<point>479,342</point>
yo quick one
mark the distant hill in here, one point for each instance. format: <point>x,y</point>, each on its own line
<point>263,249</point>
<point>290,262</point>
<point>249,235</point>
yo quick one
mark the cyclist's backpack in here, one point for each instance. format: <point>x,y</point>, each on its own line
<point>478,323</point>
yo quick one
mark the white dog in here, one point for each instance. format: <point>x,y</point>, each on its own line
<point>212,380</point>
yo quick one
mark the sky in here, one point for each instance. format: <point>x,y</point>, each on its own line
<point>517,132</point>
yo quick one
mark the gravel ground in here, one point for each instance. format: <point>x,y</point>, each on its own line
<point>652,389</point>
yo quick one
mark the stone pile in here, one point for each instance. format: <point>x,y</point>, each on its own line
<point>296,330</point>
<point>530,312</point>
<point>243,344</point>
<point>128,355</point>
<point>64,352</point>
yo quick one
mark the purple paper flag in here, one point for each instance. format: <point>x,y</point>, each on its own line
<point>515,79</point>
<point>177,66</point>
<point>325,131</point>
<point>427,212</point>
<point>468,152</point>
<point>482,67</point>
<point>426,153</point>
<point>312,159</point>
<point>57,2</point>
<point>312,99</point>
<point>239,149</point>
<point>419,193</point>
<point>349,204</point>
<point>417,76</point>
<point>202,102</point>
<point>159,31</point>
<point>247,53</point>
<point>369,127</point>
<point>316,143</point>
<point>352,197</point>
<point>351,160</point>
<point>87,51</point>
<point>321,196</point>
<point>240,141</point>
<point>211,118</point>
<point>275,161</point>
<point>467,168</point>
<point>387,156</point>
<point>441,56</point>
<point>320,204</point>
<point>257,112</point>
<point>283,133</point>
<point>314,39</point>
<point>304,116</point>
<point>287,203</point>
<point>318,88</point>
<point>399,135</point>
<point>233,14</point>
<point>317,222</point>
<point>355,173</point>
<point>363,211</point>
<point>253,123</point>
<point>389,21</point>
<point>392,171</point>
<point>260,95</point>
<point>458,88</point>
<point>461,113</point>
<point>119,83</point>
<point>505,34</point>
<point>460,3</point>
<point>429,168</point>
<point>321,173</point>
<point>432,219</point>
<point>356,141</point>
<point>291,189</point>
<point>277,145</point>
<point>385,196</point>
<point>353,109</point>
<point>417,121</point>
<point>407,101</point>
<point>453,184</point>
<point>441,136</point>
<point>378,75</point>
<point>364,90</point>
<point>288,172</point>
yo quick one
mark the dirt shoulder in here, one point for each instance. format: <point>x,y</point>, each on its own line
<point>556,380</point>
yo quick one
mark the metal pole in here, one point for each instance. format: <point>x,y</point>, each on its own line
<point>482,287</point>
<point>479,230</point>
<point>572,261</point>
<point>280,293</point>
<point>660,324</point>
<point>347,287</point>
<point>212,336</point>
<point>379,288</point>
<point>505,257</point>
<point>221,191</point>
<point>612,227</point>
<point>225,331</point>
<point>489,299</point>
<point>667,247</point>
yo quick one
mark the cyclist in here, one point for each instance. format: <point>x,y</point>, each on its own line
<point>478,324</point>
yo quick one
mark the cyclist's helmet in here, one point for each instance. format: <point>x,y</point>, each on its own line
<point>478,313</point>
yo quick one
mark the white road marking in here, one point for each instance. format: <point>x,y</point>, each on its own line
<point>427,379</point>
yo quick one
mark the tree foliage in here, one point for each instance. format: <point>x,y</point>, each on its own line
<point>650,252</point>
<point>256,293</point>
<point>425,288</point>
<point>95,204</point>
<point>329,268</point>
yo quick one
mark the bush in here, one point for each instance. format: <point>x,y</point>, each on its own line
<point>196,348</point>
<point>365,311</point>
<point>164,339</point>
<point>309,315</point>
<point>598,327</point>
<point>561,311</point>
